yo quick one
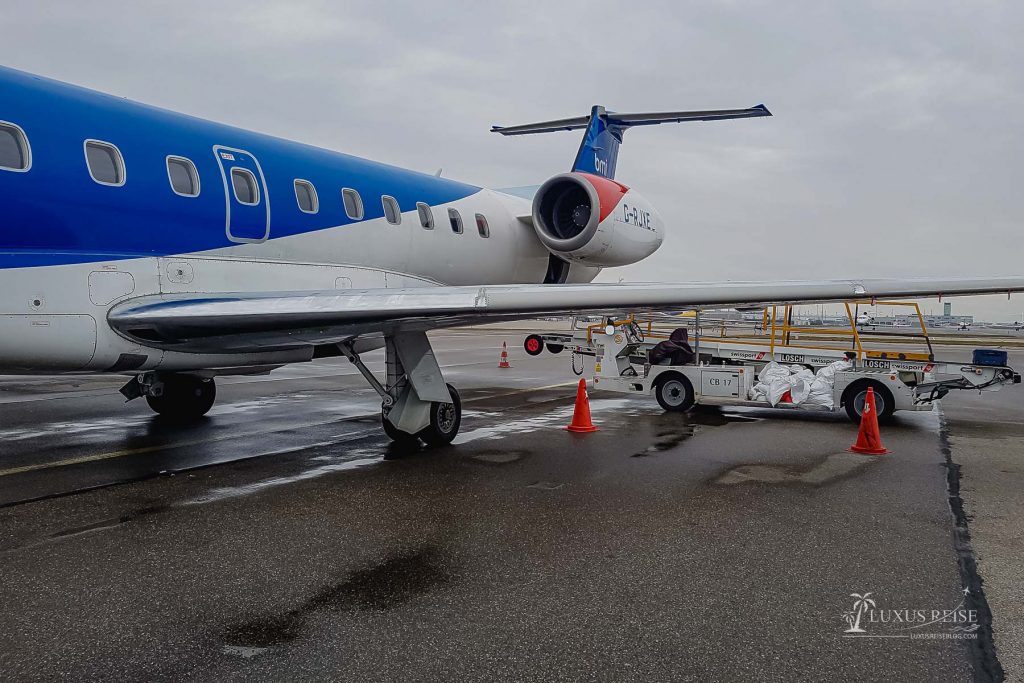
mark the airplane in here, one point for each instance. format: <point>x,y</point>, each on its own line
<point>864,318</point>
<point>173,250</point>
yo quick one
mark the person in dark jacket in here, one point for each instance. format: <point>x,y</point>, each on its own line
<point>676,350</point>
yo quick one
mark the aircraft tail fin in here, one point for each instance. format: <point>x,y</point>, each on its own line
<point>599,150</point>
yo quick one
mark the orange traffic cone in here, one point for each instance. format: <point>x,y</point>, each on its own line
<point>581,414</point>
<point>503,363</point>
<point>869,441</point>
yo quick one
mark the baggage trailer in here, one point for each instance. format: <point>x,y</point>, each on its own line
<point>725,368</point>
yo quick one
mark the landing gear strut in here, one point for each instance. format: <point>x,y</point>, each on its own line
<point>180,397</point>
<point>416,404</point>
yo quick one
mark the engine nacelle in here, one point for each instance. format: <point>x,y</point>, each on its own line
<point>596,221</point>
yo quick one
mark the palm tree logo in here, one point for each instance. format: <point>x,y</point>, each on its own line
<point>861,604</point>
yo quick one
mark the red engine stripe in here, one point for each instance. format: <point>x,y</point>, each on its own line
<point>609,192</point>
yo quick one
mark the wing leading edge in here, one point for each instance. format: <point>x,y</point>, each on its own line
<point>248,322</point>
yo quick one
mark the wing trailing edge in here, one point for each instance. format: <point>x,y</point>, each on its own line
<point>250,322</point>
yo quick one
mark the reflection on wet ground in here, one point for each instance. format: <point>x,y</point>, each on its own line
<point>676,428</point>
<point>382,587</point>
<point>667,440</point>
<point>499,457</point>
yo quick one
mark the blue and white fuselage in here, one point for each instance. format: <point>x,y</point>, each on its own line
<point>72,246</point>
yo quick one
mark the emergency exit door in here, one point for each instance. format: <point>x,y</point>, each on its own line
<point>247,202</point>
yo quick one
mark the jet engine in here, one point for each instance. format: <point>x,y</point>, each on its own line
<point>596,221</point>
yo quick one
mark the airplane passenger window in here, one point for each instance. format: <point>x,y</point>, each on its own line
<point>14,150</point>
<point>244,184</point>
<point>426,215</point>
<point>481,225</point>
<point>105,163</point>
<point>456,220</point>
<point>353,204</point>
<point>183,176</point>
<point>391,210</point>
<point>305,195</point>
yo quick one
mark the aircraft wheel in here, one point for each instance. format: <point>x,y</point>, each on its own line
<point>674,392</point>
<point>445,420</point>
<point>184,397</point>
<point>555,348</point>
<point>396,434</point>
<point>533,344</point>
<point>857,393</point>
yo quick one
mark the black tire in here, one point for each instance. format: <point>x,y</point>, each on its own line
<point>556,348</point>
<point>185,397</point>
<point>397,435</point>
<point>445,421</point>
<point>674,392</point>
<point>853,400</point>
<point>533,344</point>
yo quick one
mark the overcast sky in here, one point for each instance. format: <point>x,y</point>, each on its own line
<point>895,150</point>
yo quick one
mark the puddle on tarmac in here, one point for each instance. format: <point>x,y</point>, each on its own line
<point>353,461</point>
<point>667,440</point>
<point>712,417</point>
<point>546,485</point>
<point>599,407</point>
<point>836,466</point>
<point>674,429</point>
<point>499,457</point>
<point>379,588</point>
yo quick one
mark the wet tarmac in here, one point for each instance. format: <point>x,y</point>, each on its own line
<point>284,538</point>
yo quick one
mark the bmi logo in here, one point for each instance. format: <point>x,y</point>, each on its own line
<point>866,619</point>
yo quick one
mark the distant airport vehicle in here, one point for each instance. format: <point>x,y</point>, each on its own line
<point>723,370</point>
<point>141,242</point>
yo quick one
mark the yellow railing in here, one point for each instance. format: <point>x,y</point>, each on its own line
<point>780,331</point>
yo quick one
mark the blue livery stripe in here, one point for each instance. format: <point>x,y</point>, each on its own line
<point>55,214</point>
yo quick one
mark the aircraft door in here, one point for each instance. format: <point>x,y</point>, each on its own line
<point>246,199</point>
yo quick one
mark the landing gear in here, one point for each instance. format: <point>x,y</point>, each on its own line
<point>179,397</point>
<point>416,404</point>
<point>445,420</point>
<point>397,435</point>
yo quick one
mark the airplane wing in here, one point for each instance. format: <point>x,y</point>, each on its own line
<point>248,322</point>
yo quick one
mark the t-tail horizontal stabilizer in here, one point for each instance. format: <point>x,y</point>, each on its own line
<point>599,150</point>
